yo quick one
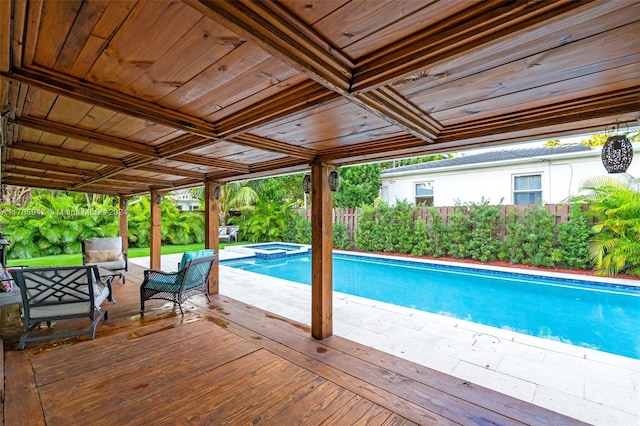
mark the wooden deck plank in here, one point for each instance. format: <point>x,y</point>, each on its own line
<point>142,379</point>
<point>227,399</point>
<point>22,402</point>
<point>228,363</point>
<point>415,401</point>
<point>108,349</point>
<point>359,411</point>
<point>310,407</point>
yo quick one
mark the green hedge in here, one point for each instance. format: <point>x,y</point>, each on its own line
<point>476,231</point>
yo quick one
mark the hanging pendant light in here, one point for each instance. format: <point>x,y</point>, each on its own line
<point>334,181</point>
<point>617,153</point>
<point>306,184</point>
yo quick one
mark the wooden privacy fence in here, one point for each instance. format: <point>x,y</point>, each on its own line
<point>349,216</point>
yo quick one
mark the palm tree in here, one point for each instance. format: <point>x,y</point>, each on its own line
<point>238,196</point>
<point>615,205</point>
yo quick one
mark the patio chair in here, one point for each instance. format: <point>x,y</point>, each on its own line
<point>228,233</point>
<point>59,293</point>
<point>106,253</point>
<point>191,279</point>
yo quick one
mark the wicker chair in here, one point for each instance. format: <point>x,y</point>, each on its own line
<point>192,278</point>
<point>59,293</point>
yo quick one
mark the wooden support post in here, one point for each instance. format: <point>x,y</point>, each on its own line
<point>211,238</point>
<point>123,215</point>
<point>156,230</point>
<point>321,254</point>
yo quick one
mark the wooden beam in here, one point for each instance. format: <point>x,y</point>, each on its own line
<point>155,243</point>
<point>273,146</point>
<point>211,162</point>
<point>93,94</point>
<point>604,105</point>
<point>371,147</point>
<point>87,136</point>
<point>174,171</point>
<point>402,112</point>
<point>42,173</point>
<point>277,31</point>
<point>66,153</point>
<point>211,236</point>
<point>282,34</point>
<point>321,253</point>
<point>295,99</point>
<point>51,167</point>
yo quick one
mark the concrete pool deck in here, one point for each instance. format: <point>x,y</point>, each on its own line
<point>593,386</point>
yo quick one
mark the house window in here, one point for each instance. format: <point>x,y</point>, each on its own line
<point>424,193</point>
<point>527,189</point>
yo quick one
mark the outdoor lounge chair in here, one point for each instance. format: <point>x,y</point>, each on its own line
<point>191,278</point>
<point>228,233</point>
<point>106,253</point>
<point>59,293</point>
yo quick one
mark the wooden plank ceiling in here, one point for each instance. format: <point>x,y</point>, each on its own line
<point>125,97</point>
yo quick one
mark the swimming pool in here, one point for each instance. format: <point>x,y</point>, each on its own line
<point>583,313</point>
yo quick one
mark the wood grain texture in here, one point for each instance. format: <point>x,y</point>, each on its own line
<point>228,363</point>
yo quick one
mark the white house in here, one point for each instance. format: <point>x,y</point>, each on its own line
<point>514,176</point>
<point>184,200</point>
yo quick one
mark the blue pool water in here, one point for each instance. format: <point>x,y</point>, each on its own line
<point>595,315</point>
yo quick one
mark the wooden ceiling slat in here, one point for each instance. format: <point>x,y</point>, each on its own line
<point>295,99</point>
<point>52,167</point>
<point>101,35</point>
<point>201,88</point>
<point>41,174</point>
<point>172,171</point>
<point>88,15</point>
<point>204,43</point>
<point>100,96</point>
<point>211,162</point>
<point>587,22</point>
<point>560,64</point>
<point>273,145</point>
<point>275,30</point>
<point>124,62</point>
<point>557,93</point>
<point>580,109</point>
<point>64,153</point>
<point>87,136</point>
<point>479,25</point>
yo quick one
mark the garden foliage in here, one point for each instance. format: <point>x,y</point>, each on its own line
<point>476,231</point>
<point>55,223</point>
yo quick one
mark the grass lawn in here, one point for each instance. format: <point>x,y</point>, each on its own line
<point>76,259</point>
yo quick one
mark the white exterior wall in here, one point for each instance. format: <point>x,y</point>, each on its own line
<point>561,177</point>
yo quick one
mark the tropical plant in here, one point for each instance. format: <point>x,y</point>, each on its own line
<point>53,224</point>
<point>235,196</point>
<point>265,221</point>
<point>359,186</point>
<point>615,206</point>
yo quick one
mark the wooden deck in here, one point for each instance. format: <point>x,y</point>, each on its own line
<point>228,363</point>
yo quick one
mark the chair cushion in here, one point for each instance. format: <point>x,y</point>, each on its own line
<point>190,255</point>
<point>103,243</point>
<point>161,284</point>
<point>105,255</point>
<point>113,265</point>
<point>100,293</point>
